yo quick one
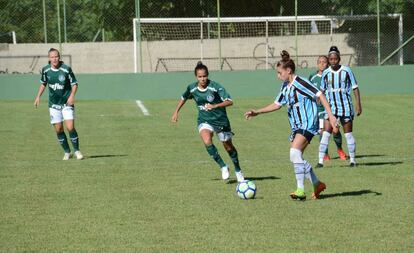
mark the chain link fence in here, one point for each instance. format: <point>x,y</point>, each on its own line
<point>224,34</point>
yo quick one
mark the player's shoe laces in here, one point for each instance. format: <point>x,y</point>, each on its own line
<point>342,154</point>
<point>78,155</point>
<point>225,172</point>
<point>317,189</point>
<point>298,194</point>
<point>239,176</point>
<point>66,156</point>
<point>326,157</point>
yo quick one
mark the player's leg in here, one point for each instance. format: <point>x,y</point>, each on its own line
<point>69,116</point>
<point>338,142</point>
<point>322,117</point>
<point>323,145</point>
<point>350,140</point>
<point>232,151</point>
<point>206,134</point>
<point>56,119</point>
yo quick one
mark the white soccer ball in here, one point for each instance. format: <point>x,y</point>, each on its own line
<point>246,189</point>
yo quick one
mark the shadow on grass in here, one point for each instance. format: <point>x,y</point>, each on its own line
<point>375,164</point>
<point>359,156</point>
<point>234,181</point>
<point>102,156</point>
<point>349,194</point>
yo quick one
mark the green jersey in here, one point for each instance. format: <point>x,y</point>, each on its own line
<point>316,79</point>
<point>60,82</point>
<point>214,93</point>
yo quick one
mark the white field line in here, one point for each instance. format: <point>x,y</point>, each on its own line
<point>142,107</point>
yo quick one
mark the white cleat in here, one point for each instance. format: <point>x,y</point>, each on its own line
<point>78,155</point>
<point>67,156</point>
<point>239,176</point>
<point>225,172</point>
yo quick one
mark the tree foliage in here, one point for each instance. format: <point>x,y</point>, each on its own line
<point>87,18</point>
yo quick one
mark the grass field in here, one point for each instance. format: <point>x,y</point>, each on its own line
<point>147,185</point>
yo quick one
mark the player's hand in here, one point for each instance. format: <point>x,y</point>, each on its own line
<point>209,106</point>
<point>36,102</point>
<point>358,110</point>
<point>71,101</point>
<point>250,114</point>
<point>174,118</point>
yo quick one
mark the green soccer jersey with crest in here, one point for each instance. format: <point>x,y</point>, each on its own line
<point>214,93</point>
<point>316,79</point>
<point>60,82</point>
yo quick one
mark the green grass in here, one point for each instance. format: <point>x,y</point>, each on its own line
<point>147,185</point>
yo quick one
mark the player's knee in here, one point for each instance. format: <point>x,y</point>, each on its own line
<point>296,155</point>
<point>349,138</point>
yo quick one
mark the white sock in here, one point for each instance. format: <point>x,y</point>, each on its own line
<point>350,140</point>
<point>309,174</point>
<point>299,165</point>
<point>323,145</point>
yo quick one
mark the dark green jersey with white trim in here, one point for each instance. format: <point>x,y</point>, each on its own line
<point>60,82</point>
<point>214,93</point>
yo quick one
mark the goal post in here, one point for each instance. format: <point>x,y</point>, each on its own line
<point>249,43</point>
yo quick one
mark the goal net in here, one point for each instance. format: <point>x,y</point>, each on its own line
<point>250,43</point>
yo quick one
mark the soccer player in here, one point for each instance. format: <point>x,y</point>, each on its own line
<point>337,82</point>
<point>315,78</point>
<point>300,97</point>
<point>62,89</point>
<point>211,100</point>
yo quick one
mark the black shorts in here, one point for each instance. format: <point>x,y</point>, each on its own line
<point>308,135</point>
<point>344,119</point>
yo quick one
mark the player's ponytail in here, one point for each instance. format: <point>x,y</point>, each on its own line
<point>200,66</point>
<point>286,62</point>
<point>55,50</point>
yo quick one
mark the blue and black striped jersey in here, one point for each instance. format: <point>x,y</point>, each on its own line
<point>300,99</point>
<point>337,86</point>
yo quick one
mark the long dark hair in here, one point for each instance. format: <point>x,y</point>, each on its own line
<point>200,66</point>
<point>286,62</point>
<point>55,50</point>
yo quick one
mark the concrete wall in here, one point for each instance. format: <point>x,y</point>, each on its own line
<point>161,56</point>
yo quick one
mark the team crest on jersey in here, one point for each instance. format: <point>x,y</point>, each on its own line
<point>61,78</point>
<point>210,98</point>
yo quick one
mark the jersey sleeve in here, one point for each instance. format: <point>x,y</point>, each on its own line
<point>187,94</point>
<point>224,95</point>
<point>281,97</point>
<point>43,77</point>
<point>307,88</point>
<point>72,77</point>
<point>354,83</point>
<point>323,82</point>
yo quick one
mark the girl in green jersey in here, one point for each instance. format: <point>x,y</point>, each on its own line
<point>62,86</point>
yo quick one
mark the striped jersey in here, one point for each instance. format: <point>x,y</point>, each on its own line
<point>214,93</point>
<point>337,86</point>
<point>300,99</point>
<point>60,82</point>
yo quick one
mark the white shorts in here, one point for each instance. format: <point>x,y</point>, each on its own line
<point>223,136</point>
<point>59,115</point>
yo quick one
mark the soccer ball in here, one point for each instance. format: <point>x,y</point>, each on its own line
<point>246,189</point>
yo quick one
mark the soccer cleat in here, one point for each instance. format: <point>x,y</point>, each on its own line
<point>319,165</point>
<point>239,176</point>
<point>320,187</point>
<point>78,155</point>
<point>298,194</point>
<point>352,164</point>
<point>225,172</point>
<point>326,157</point>
<point>67,156</point>
<point>341,154</point>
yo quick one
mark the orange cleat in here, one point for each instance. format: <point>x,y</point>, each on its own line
<point>320,187</point>
<point>342,154</point>
<point>326,157</point>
